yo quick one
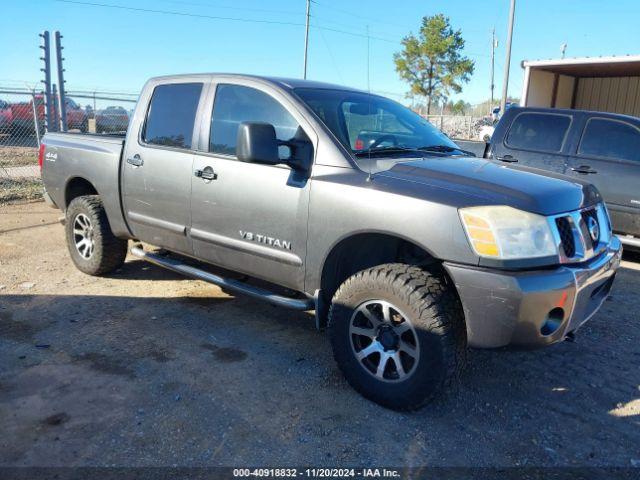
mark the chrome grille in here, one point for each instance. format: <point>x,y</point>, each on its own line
<point>572,235</point>
<point>566,236</point>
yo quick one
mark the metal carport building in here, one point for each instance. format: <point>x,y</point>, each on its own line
<point>605,84</point>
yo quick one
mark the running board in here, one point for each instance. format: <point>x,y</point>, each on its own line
<point>227,283</point>
<point>630,241</point>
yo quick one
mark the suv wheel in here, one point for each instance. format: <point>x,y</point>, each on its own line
<point>92,246</point>
<point>398,334</point>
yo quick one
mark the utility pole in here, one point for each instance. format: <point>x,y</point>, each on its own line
<point>563,50</point>
<point>507,63</point>
<point>306,40</point>
<point>62,92</point>
<point>494,45</point>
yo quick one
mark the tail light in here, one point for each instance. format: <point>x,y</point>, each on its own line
<point>41,155</point>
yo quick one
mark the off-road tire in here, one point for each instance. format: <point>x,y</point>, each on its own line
<point>108,252</point>
<point>431,304</point>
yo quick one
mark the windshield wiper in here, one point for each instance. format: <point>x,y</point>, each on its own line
<point>375,151</point>
<point>445,149</point>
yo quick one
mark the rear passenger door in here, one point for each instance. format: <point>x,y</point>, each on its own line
<point>250,217</point>
<point>608,156</point>
<point>535,139</point>
<point>157,166</point>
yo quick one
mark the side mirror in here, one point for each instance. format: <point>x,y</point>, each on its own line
<point>257,142</point>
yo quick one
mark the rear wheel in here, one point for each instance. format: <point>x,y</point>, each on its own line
<point>398,334</point>
<point>93,247</point>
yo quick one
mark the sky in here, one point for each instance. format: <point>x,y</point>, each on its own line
<point>114,49</point>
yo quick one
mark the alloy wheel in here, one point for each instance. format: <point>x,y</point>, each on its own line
<point>384,341</point>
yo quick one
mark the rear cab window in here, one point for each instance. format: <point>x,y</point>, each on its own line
<point>542,132</point>
<point>234,104</point>
<point>613,139</point>
<point>172,114</point>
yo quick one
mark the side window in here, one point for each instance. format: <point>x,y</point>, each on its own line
<point>172,114</point>
<point>538,131</point>
<point>235,104</point>
<point>611,139</point>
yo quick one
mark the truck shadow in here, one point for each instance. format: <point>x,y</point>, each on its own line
<point>208,366</point>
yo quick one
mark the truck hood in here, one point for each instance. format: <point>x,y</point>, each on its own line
<point>476,181</point>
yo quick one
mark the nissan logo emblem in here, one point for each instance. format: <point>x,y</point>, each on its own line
<point>594,229</point>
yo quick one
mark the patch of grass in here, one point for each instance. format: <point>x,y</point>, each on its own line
<point>12,190</point>
<point>18,156</point>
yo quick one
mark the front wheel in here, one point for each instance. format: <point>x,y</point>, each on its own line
<point>93,247</point>
<point>398,334</point>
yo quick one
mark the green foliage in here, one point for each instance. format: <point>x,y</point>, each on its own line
<point>432,62</point>
<point>458,108</point>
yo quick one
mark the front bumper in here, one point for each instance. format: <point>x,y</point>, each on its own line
<point>532,308</point>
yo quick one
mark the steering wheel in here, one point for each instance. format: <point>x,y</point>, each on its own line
<point>382,139</point>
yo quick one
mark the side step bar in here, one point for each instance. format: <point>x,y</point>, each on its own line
<point>230,284</point>
<point>630,241</point>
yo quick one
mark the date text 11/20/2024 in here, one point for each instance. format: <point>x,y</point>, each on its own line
<point>317,472</point>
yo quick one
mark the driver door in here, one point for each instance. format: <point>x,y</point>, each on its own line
<point>249,217</point>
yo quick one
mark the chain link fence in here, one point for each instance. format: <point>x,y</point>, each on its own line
<point>463,127</point>
<point>22,125</point>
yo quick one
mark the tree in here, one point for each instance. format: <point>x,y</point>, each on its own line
<point>458,108</point>
<point>432,63</point>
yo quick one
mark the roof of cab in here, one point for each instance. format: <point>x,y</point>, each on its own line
<point>287,83</point>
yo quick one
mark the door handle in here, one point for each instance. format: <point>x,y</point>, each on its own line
<point>206,173</point>
<point>584,169</point>
<point>136,160</point>
<point>508,159</point>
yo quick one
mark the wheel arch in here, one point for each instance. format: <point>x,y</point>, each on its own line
<point>76,187</point>
<point>358,251</point>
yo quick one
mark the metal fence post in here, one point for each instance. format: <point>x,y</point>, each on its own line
<point>36,127</point>
<point>55,126</point>
<point>48,104</point>
<point>62,97</point>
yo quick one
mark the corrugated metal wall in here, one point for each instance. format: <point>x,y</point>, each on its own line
<point>612,94</point>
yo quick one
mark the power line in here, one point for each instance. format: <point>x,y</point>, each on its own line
<point>354,14</point>
<point>333,60</point>
<point>220,17</point>
<point>181,14</point>
<point>226,7</point>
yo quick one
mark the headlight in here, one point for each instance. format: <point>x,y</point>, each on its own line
<point>507,233</point>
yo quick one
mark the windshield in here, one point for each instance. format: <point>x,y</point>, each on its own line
<point>370,124</point>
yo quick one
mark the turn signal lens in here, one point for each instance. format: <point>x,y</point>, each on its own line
<point>481,236</point>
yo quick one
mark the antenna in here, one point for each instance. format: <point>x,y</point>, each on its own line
<point>494,45</point>
<point>369,98</point>
<point>306,40</point>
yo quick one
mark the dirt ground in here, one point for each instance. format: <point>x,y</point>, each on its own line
<point>145,368</point>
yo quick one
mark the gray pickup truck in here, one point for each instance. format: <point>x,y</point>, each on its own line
<point>602,148</point>
<point>345,203</point>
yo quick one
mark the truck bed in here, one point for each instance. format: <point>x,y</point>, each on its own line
<point>74,158</point>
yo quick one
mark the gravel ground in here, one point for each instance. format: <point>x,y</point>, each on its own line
<point>145,368</point>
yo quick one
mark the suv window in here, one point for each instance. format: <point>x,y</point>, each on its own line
<point>538,131</point>
<point>235,104</point>
<point>172,114</point>
<point>610,138</point>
